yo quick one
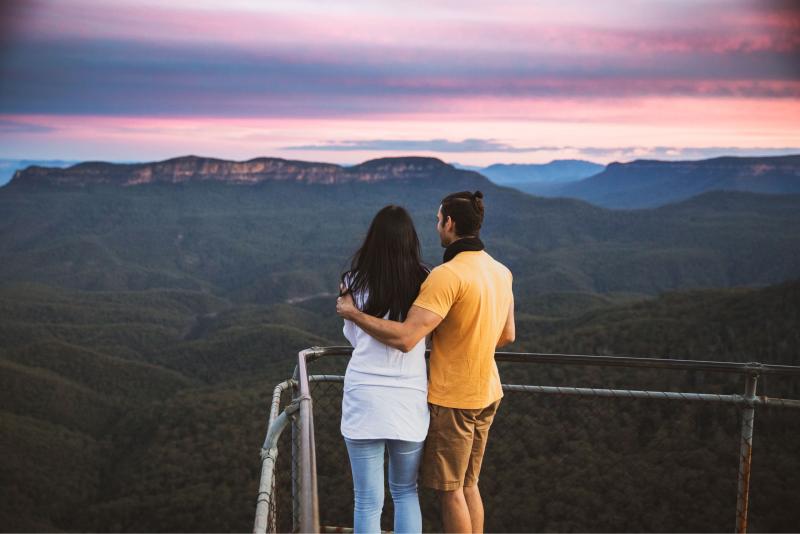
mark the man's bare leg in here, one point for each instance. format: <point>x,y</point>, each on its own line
<point>455,513</point>
<point>475,506</point>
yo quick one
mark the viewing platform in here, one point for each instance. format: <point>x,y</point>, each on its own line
<point>630,444</point>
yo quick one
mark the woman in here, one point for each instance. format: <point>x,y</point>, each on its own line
<point>385,390</point>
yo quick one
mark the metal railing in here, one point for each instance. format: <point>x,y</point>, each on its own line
<point>305,504</point>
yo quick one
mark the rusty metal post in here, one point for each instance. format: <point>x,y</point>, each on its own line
<point>745,454</point>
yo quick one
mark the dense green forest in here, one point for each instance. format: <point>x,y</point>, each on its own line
<point>143,329</point>
<point>157,428</point>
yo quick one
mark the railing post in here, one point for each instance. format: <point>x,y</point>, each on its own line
<point>745,454</point>
<point>295,460</point>
<point>269,458</point>
<point>309,504</point>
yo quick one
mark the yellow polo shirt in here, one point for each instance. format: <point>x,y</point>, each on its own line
<point>472,294</point>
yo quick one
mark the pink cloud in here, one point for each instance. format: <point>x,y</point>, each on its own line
<point>598,87</point>
<point>536,33</point>
<point>566,126</point>
<point>780,15</point>
<point>525,71</point>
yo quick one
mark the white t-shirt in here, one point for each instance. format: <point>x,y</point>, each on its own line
<point>385,389</point>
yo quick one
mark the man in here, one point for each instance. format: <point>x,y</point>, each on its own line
<point>468,304</point>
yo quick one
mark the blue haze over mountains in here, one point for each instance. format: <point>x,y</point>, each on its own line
<point>9,166</point>
<point>543,179</point>
<point>649,183</point>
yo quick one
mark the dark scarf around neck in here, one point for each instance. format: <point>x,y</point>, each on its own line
<point>462,245</point>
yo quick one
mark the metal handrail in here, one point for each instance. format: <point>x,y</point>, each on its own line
<point>604,361</point>
<point>308,520</point>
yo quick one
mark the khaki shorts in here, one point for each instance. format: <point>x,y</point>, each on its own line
<point>455,445</point>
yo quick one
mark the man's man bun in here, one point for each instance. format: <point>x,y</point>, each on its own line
<point>466,210</point>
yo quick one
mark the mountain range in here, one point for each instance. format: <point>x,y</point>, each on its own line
<point>650,183</point>
<point>272,230</point>
<point>633,185</point>
<point>197,169</point>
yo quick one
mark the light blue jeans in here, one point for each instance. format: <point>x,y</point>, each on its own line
<point>366,461</point>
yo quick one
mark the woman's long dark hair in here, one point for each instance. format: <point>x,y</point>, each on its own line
<point>388,265</point>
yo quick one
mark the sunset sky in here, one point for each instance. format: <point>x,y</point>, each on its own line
<point>466,81</point>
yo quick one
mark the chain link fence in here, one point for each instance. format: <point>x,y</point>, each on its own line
<point>590,460</point>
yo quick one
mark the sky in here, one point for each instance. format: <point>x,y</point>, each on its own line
<point>473,82</point>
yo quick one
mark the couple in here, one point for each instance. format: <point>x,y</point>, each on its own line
<point>390,302</point>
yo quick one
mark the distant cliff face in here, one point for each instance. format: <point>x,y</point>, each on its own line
<point>651,183</point>
<point>196,169</point>
<point>726,167</point>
